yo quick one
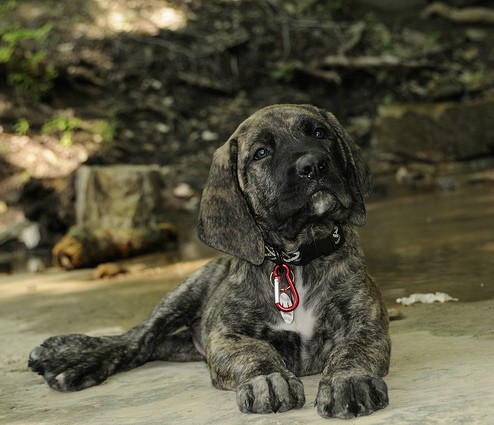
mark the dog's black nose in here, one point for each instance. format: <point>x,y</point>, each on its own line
<point>311,165</point>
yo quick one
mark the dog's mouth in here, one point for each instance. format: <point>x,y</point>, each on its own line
<point>322,202</point>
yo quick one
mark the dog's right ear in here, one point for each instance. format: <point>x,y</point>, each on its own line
<point>225,221</point>
<point>357,172</point>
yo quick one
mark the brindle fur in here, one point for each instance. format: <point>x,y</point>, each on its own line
<point>309,179</point>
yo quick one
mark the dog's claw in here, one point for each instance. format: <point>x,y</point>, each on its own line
<point>270,394</point>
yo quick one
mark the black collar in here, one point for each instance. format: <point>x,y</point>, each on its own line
<point>308,252</point>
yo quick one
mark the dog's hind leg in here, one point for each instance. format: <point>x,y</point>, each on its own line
<point>75,362</point>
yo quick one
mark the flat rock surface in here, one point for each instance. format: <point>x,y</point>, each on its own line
<point>438,375</point>
<point>435,131</point>
<point>441,369</point>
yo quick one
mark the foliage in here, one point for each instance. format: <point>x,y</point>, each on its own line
<point>66,126</point>
<point>104,129</point>
<point>63,125</point>
<point>284,72</point>
<point>27,69</point>
<point>22,126</point>
<point>379,35</point>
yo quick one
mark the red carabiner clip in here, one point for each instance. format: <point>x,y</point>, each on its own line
<point>277,278</point>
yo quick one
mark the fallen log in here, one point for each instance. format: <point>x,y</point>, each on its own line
<point>83,247</point>
<point>468,15</point>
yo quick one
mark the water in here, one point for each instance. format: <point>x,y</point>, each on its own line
<point>433,242</point>
<point>413,244</point>
<point>428,242</point>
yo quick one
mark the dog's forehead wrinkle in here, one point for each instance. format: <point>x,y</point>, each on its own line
<point>282,128</point>
<point>288,115</point>
<point>261,134</point>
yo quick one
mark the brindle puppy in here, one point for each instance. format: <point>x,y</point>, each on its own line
<point>281,199</point>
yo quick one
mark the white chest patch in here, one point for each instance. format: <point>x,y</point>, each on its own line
<point>303,320</point>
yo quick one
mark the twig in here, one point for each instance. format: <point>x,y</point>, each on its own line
<point>355,33</point>
<point>362,62</point>
<point>206,82</point>
<point>330,76</point>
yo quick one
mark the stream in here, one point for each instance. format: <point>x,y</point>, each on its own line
<point>433,242</point>
<point>418,243</point>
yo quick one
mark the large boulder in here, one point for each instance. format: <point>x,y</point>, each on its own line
<point>436,131</point>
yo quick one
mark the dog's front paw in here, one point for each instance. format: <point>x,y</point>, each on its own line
<point>270,394</point>
<point>350,396</point>
<point>75,362</point>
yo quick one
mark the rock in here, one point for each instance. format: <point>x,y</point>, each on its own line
<point>184,191</point>
<point>395,314</point>
<point>435,132</point>
<point>120,212</point>
<point>359,127</point>
<point>118,196</point>
<point>476,34</point>
<point>486,176</point>
<point>50,204</point>
<point>35,265</point>
<point>209,136</point>
<point>108,270</point>
<point>13,231</point>
<point>415,175</point>
<point>30,236</point>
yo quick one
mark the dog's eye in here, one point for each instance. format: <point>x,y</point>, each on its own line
<point>261,153</point>
<point>320,133</point>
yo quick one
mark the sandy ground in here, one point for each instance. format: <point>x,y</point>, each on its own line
<point>443,354</point>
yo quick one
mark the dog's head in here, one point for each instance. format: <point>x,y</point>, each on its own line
<point>286,171</point>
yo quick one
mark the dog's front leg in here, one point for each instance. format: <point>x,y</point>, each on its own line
<point>349,394</point>
<point>352,383</point>
<point>256,371</point>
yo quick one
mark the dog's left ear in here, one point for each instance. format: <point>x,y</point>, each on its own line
<point>225,221</point>
<point>357,172</point>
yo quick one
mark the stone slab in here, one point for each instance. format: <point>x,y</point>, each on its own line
<point>436,131</point>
